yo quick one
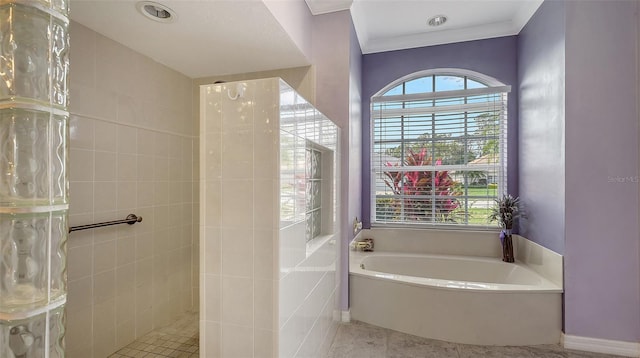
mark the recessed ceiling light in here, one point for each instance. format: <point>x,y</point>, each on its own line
<point>155,11</point>
<point>437,20</point>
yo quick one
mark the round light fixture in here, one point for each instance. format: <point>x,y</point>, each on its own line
<point>155,11</point>
<point>437,20</point>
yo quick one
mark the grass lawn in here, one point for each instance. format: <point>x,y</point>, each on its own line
<point>479,216</point>
<point>482,191</point>
<point>478,212</point>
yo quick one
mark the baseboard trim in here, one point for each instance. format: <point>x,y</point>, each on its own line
<point>345,316</point>
<point>596,345</point>
<point>342,316</point>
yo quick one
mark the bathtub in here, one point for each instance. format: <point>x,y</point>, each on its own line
<point>473,299</point>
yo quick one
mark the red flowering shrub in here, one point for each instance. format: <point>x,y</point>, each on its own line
<point>425,195</point>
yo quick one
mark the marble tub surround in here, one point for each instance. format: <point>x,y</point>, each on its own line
<point>433,241</point>
<point>467,273</point>
<point>361,340</point>
<point>547,263</point>
<point>483,243</point>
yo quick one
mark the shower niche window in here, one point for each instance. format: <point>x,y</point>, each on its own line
<point>313,196</point>
<point>318,167</point>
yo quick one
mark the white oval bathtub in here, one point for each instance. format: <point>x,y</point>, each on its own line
<point>462,299</point>
<point>452,272</point>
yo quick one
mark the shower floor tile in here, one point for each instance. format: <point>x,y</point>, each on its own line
<point>177,340</point>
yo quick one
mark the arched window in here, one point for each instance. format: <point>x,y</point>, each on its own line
<point>438,148</point>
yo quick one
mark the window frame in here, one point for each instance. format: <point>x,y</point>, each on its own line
<point>493,86</point>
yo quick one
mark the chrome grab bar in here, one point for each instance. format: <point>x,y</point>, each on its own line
<point>131,219</point>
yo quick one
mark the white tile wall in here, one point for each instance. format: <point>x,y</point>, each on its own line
<point>133,150</point>
<point>237,221</point>
<point>263,292</point>
<point>308,282</point>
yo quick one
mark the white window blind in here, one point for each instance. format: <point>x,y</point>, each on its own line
<point>438,151</point>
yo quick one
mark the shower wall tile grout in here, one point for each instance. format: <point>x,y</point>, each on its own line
<point>133,149</point>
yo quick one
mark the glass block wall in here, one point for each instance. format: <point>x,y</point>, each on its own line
<point>34,66</point>
<point>313,176</point>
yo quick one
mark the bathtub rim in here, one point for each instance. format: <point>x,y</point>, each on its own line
<point>356,257</point>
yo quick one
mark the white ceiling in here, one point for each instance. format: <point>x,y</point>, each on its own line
<point>385,25</point>
<point>217,37</point>
<point>208,38</point>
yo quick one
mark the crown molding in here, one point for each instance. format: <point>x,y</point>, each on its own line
<point>319,7</point>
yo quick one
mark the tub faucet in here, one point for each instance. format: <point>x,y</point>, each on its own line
<point>364,245</point>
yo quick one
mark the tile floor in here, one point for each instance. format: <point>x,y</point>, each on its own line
<point>353,340</point>
<point>177,340</point>
<point>361,340</point>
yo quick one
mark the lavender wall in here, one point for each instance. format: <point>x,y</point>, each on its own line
<point>601,244</point>
<point>492,57</point>
<point>355,155</point>
<point>295,18</point>
<point>331,61</point>
<point>337,63</point>
<point>541,78</point>
<point>578,67</point>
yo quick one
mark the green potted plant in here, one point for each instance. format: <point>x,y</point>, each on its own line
<point>506,211</point>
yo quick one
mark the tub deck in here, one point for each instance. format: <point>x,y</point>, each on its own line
<point>450,272</point>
